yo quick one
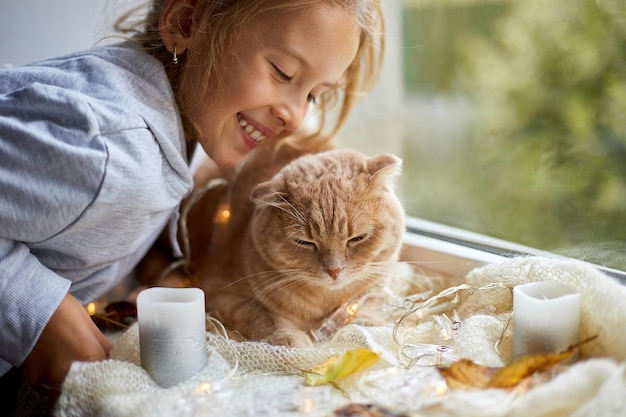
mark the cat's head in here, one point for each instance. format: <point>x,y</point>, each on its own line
<point>332,216</point>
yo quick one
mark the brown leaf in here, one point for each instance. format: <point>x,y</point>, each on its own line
<point>465,374</point>
<point>514,373</point>
<point>365,410</point>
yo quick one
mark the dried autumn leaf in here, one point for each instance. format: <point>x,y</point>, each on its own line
<point>514,373</point>
<point>465,374</point>
<point>365,410</point>
<point>341,365</point>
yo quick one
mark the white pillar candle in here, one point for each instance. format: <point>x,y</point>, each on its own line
<point>172,333</point>
<point>546,318</point>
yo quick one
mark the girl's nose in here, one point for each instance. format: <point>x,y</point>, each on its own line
<point>290,113</point>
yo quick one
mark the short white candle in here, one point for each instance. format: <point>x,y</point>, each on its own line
<point>546,318</point>
<point>172,333</point>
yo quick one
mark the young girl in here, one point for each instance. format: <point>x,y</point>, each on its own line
<point>95,147</point>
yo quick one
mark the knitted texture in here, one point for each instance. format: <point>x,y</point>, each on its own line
<point>249,379</point>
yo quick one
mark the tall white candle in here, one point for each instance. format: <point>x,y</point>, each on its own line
<point>172,333</point>
<point>546,318</point>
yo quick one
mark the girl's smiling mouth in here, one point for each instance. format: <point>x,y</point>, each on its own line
<point>253,135</point>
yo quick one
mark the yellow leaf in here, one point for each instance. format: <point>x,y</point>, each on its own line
<point>341,365</point>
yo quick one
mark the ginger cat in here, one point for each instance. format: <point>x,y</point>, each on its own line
<point>305,235</point>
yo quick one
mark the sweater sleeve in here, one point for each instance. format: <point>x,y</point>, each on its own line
<point>89,175</point>
<point>29,294</point>
<point>50,171</point>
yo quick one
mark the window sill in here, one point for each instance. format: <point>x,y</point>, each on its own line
<point>451,251</point>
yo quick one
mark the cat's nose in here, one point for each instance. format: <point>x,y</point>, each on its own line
<point>334,272</point>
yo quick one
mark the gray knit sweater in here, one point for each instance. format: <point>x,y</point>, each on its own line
<point>92,166</point>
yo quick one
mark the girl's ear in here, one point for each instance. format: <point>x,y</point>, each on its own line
<point>175,23</point>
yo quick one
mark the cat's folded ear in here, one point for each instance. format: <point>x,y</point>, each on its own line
<point>384,171</point>
<point>264,193</point>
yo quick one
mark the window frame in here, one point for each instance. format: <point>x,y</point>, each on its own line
<point>452,251</point>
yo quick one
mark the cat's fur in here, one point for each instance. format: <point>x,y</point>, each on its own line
<point>301,240</point>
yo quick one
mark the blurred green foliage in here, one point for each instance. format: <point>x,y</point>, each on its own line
<point>434,31</point>
<point>544,161</point>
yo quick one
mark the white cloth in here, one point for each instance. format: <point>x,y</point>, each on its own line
<point>267,380</point>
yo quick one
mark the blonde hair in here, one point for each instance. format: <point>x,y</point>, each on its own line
<point>218,21</point>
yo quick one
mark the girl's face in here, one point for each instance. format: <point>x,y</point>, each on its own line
<point>272,72</point>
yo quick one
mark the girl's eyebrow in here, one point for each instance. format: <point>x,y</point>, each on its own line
<point>287,50</point>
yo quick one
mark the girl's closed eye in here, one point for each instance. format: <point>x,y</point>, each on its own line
<point>284,77</point>
<point>280,74</point>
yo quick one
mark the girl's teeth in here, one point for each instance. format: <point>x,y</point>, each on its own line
<point>254,134</point>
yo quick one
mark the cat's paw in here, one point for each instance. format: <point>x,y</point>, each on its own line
<point>290,338</point>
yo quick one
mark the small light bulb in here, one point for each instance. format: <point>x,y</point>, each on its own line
<point>91,308</point>
<point>204,388</point>
<point>441,388</point>
<point>352,309</point>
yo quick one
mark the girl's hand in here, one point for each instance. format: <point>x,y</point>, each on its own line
<point>69,336</point>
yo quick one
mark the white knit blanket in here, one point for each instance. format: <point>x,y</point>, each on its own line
<point>254,379</point>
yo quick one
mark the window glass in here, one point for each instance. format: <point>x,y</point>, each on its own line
<point>512,120</point>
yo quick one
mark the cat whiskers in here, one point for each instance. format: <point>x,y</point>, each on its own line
<point>387,267</point>
<point>283,281</point>
<point>294,211</point>
<point>290,209</point>
<point>397,271</point>
<point>253,276</point>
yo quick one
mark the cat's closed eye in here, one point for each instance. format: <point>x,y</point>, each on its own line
<point>301,242</point>
<point>358,238</point>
